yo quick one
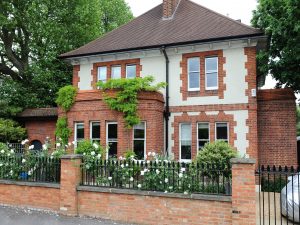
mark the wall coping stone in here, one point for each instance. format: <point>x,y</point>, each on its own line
<point>207,197</point>
<point>242,161</point>
<point>31,184</point>
<point>73,156</point>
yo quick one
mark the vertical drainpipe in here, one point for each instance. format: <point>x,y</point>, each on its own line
<point>167,109</point>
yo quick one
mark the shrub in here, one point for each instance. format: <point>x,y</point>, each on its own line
<point>216,153</point>
<point>62,130</point>
<point>66,97</point>
<point>10,131</point>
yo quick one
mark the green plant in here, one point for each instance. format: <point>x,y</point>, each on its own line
<point>126,98</point>
<point>62,130</point>
<point>11,131</point>
<point>66,97</point>
<point>129,154</point>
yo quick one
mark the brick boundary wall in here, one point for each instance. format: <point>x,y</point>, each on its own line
<point>138,206</point>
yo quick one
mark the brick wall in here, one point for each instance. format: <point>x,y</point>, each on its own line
<point>40,129</point>
<point>277,127</point>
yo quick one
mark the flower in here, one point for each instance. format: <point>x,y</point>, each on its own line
<point>139,186</point>
<point>182,169</point>
<point>95,146</point>
<point>166,191</point>
<point>170,187</point>
<point>23,160</point>
<point>31,147</point>
<point>142,173</point>
<point>1,164</point>
<point>2,151</point>
<point>29,172</point>
<point>180,175</point>
<point>58,144</point>
<point>8,154</point>
<point>157,171</point>
<point>84,153</point>
<point>98,156</point>
<point>11,172</point>
<point>153,154</point>
<point>45,147</point>
<point>146,170</point>
<point>73,142</point>
<point>12,151</point>
<point>93,153</point>
<point>185,192</point>
<point>87,166</point>
<point>122,166</point>
<point>166,180</point>
<point>149,153</point>
<point>109,178</point>
<point>120,158</point>
<point>131,178</point>
<point>69,143</point>
<point>126,165</point>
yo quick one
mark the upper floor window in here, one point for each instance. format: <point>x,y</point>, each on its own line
<point>211,73</point>
<point>95,131</point>
<point>185,141</point>
<point>203,134</point>
<point>139,140</point>
<point>130,71</point>
<point>222,132</point>
<point>115,72</point>
<point>194,74</point>
<point>102,73</point>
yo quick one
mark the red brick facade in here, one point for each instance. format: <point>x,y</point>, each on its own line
<point>89,106</point>
<point>277,127</point>
<point>39,130</point>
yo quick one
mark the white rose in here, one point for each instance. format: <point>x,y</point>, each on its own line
<point>166,191</point>
<point>98,156</point>
<point>31,147</point>
<point>142,173</point>
<point>45,147</point>
<point>23,160</point>
<point>157,172</point>
<point>126,165</point>
<point>95,146</point>
<point>185,193</point>
<point>8,154</point>
<point>84,153</point>
<point>12,151</point>
<point>69,143</point>
<point>139,185</point>
<point>109,178</point>
<point>166,180</point>
<point>11,172</point>
<point>131,178</point>
<point>149,153</point>
<point>120,158</point>
<point>73,142</point>
<point>26,141</point>
<point>182,169</point>
<point>29,172</point>
<point>122,166</point>
<point>93,153</point>
<point>58,144</point>
<point>1,164</point>
<point>153,154</point>
<point>180,175</point>
<point>2,151</point>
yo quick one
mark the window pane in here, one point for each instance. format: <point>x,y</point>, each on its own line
<point>212,80</point>
<point>102,73</point>
<point>185,140</point>
<point>201,144</point>
<point>113,149</point>
<point>80,131</point>
<point>186,132</point>
<point>139,148</point>
<point>186,151</point>
<point>211,64</point>
<point>194,64</point>
<point>222,131</point>
<point>203,131</point>
<point>116,72</point>
<point>131,71</point>
<point>112,131</point>
<point>95,130</point>
<point>194,80</point>
<point>139,131</point>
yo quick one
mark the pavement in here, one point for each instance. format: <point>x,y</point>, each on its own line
<point>23,216</point>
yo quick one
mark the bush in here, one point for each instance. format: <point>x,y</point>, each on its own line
<point>216,153</point>
<point>66,97</point>
<point>62,130</point>
<point>10,131</point>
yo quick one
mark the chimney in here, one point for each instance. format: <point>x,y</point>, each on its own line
<point>169,7</point>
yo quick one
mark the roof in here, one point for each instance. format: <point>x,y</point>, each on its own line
<point>39,112</point>
<point>191,23</point>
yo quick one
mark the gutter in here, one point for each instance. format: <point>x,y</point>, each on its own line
<point>167,113</point>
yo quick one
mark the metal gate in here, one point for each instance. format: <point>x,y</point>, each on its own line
<point>277,195</point>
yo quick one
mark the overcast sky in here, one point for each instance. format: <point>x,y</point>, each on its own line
<point>235,9</point>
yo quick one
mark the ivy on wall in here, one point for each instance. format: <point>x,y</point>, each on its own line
<point>62,130</point>
<point>125,99</point>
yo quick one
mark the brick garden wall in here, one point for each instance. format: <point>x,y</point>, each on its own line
<point>277,127</point>
<point>41,129</point>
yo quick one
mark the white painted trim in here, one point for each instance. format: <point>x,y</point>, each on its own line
<point>107,123</point>
<point>205,74</point>
<point>184,160</point>
<point>228,135</point>
<point>140,139</point>
<point>91,130</point>
<point>198,133</point>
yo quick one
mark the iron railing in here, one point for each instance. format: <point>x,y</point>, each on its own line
<point>17,147</point>
<point>278,195</point>
<point>160,176</point>
<point>30,169</point>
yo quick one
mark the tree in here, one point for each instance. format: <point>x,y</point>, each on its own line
<point>10,131</point>
<point>34,33</point>
<point>279,19</point>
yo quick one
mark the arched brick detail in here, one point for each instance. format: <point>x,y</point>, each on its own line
<point>202,117</point>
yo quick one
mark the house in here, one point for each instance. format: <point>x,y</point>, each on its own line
<point>213,92</point>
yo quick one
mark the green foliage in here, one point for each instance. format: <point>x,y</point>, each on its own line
<point>129,154</point>
<point>272,185</point>
<point>126,98</point>
<point>66,97</point>
<point>34,33</point>
<point>279,19</point>
<point>216,153</point>
<point>298,121</point>
<point>10,131</point>
<point>62,130</point>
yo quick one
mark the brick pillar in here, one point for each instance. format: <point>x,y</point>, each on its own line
<point>243,192</point>
<point>69,180</point>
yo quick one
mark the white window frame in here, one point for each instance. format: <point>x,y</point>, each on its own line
<point>91,131</point>
<point>188,74</point>
<point>75,132</point>
<point>184,160</point>
<point>107,141</point>
<point>98,74</point>
<point>198,134</point>
<point>140,139</point>
<point>128,65</point>
<point>216,139</point>
<point>120,66</point>
<point>210,72</point>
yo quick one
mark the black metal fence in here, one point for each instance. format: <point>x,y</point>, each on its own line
<point>278,195</point>
<point>159,176</point>
<point>17,147</point>
<point>31,169</point>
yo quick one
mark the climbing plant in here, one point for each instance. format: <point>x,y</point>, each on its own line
<point>62,130</point>
<point>125,99</point>
<point>66,97</point>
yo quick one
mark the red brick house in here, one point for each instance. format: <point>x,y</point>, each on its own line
<point>213,92</point>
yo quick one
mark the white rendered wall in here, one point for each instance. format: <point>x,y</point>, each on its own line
<point>85,76</point>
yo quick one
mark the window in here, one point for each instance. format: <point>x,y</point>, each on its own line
<point>102,73</point>
<point>203,134</point>
<point>95,132</point>
<point>115,72</point>
<point>185,142</point>
<point>194,74</point>
<point>211,73</point>
<point>79,132</point>
<point>139,139</point>
<point>222,132</point>
<point>112,139</point>
<point>130,71</point>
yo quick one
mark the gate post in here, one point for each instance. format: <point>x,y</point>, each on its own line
<point>243,192</point>
<point>70,176</point>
